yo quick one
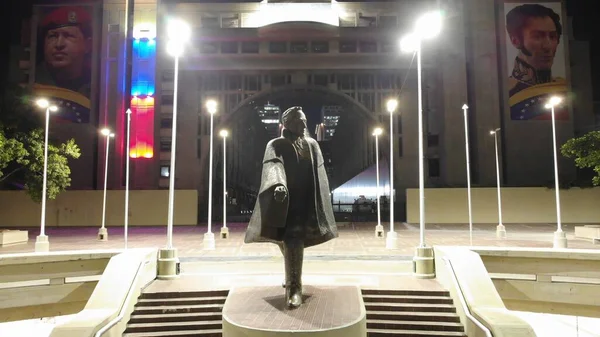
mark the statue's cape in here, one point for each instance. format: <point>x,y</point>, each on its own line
<point>268,220</point>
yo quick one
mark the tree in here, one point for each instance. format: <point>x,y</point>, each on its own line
<point>586,152</point>
<point>22,148</point>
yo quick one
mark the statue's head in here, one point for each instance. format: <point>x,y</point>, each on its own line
<point>294,120</point>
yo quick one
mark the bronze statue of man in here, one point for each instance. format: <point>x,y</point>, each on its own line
<point>293,208</point>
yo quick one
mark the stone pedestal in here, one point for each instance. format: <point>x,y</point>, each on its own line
<point>379,233</point>
<point>424,262</point>
<point>391,242</point>
<point>42,245</point>
<point>325,312</point>
<point>224,233</point>
<point>9,237</point>
<point>103,234</point>
<point>500,232</point>
<point>560,239</point>
<point>168,264</point>
<point>209,241</point>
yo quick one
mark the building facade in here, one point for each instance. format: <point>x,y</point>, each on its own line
<point>250,56</point>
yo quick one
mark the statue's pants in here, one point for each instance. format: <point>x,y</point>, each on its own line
<point>292,249</point>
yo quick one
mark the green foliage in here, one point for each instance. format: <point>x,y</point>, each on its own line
<point>22,148</point>
<point>586,152</point>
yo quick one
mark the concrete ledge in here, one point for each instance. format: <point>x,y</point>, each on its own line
<point>10,237</point>
<point>326,312</point>
<point>591,232</point>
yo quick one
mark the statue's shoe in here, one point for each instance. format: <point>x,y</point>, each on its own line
<point>294,301</point>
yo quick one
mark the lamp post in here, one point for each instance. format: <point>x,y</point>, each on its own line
<point>178,33</point>
<point>41,242</point>
<point>224,229</point>
<point>126,223</point>
<point>209,237</point>
<point>427,26</point>
<point>560,238</point>
<point>379,228</point>
<point>465,108</point>
<point>500,229</point>
<point>103,232</point>
<point>391,241</point>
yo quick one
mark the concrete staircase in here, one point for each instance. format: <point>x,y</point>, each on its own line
<point>164,314</point>
<point>411,313</point>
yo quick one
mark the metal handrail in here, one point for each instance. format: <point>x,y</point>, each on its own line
<point>463,302</point>
<point>124,305</point>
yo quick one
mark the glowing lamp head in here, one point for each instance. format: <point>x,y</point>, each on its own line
<point>224,133</point>
<point>174,48</point>
<point>492,132</point>
<point>211,106</point>
<point>105,132</point>
<point>42,103</point>
<point>554,101</point>
<point>178,30</point>
<point>429,25</point>
<point>410,43</point>
<point>391,105</point>
<point>377,131</point>
<point>53,108</point>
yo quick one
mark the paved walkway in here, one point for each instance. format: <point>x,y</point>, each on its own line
<point>357,241</point>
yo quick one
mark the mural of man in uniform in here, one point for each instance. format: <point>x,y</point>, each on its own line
<point>535,31</point>
<point>65,45</point>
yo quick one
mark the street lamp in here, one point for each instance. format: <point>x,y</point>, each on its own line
<point>103,232</point>
<point>427,26</point>
<point>209,237</point>
<point>391,241</point>
<point>500,229</point>
<point>178,33</point>
<point>41,242</point>
<point>126,223</point>
<point>379,228</point>
<point>465,108</point>
<point>224,229</point>
<point>560,238</point>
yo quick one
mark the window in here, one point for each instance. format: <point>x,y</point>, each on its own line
<point>250,47</point>
<point>165,168</point>
<point>234,82</point>
<point>388,46</point>
<point>388,21</point>
<point>211,82</point>
<point>279,80</point>
<point>230,20</point>
<point>320,79</point>
<point>319,46</point>
<point>209,47</point>
<point>252,82</point>
<point>166,99</point>
<point>165,144</point>
<point>385,81</point>
<point>347,46</point>
<point>298,47</point>
<point>277,47</point>
<point>168,75</point>
<point>367,20</point>
<point>347,19</point>
<point>166,122</point>
<point>433,140</point>
<point>366,81</point>
<point>229,47</point>
<point>433,164</point>
<point>232,101</point>
<point>346,82</point>
<point>209,20</point>
<point>400,146</point>
<point>368,46</point>
<point>368,100</point>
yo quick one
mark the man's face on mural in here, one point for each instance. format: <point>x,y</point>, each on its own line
<point>65,48</point>
<point>539,42</point>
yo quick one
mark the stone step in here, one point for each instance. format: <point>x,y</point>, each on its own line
<point>174,326</point>
<point>414,316</point>
<point>177,317</point>
<point>188,333</point>
<point>405,292</point>
<point>184,294</point>
<point>145,302</point>
<point>173,309</point>
<point>407,299</point>
<point>411,307</point>
<point>413,325</point>
<point>412,333</point>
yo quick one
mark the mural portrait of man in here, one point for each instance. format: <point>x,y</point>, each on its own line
<point>534,33</point>
<point>63,69</point>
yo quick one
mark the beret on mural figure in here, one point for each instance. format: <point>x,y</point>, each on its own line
<point>68,16</point>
